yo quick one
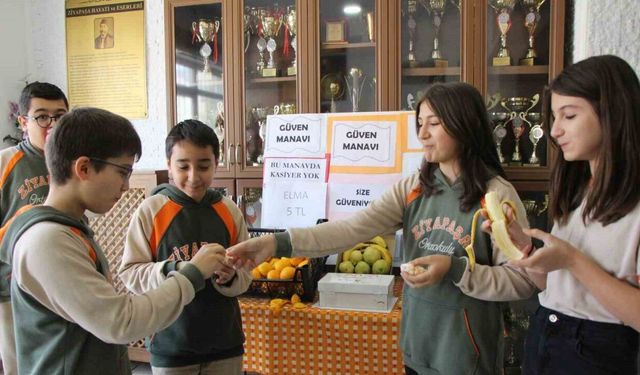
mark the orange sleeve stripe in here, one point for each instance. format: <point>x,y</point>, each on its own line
<point>224,213</point>
<point>92,252</point>
<point>161,222</point>
<point>12,163</point>
<point>414,194</point>
<point>4,228</point>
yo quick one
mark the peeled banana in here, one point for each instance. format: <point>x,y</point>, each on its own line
<point>499,225</point>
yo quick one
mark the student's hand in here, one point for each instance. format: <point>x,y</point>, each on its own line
<point>252,252</point>
<point>436,266</point>
<point>519,238</point>
<point>554,255</point>
<point>225,274</point>
<point>209,259</point>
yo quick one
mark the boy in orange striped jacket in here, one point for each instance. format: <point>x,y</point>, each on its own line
<point>24,180</point>
<point>167,229</point>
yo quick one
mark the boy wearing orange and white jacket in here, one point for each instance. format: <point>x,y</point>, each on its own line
<point>167,229</point>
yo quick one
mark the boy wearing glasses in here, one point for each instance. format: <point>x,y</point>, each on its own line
<point>68,316</point>
<point>167,230</point>
<point>24,180</point>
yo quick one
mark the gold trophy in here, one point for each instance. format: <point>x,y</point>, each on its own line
<point>503,9</point>
<point>335,89</point>
<point>203,31</point>
<point>331,87</point>
<point>531,21</point>
<point>284,108</point>
<point>271,27</point>
<point>260,114</point>
<point>436,8</point>
<point>371,31</point>
<point>356,76</point>
<point>518,108</point>
<point>291,22</point>
<point>535,135</point>
<point>411,25</point>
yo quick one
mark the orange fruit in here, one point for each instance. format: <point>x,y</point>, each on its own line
<point>303,263</point>
<point>264,268</point>
<point>287,273</point>
<point>255,273</point>
<point>272,261</point>
<point>296,261</point>
<point>281,264</point>
<point>273,275</point>
<point>295,299</point>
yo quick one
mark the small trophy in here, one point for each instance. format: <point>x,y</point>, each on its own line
<point>335,89</point>
<point>371,31</point>
<point>503,9</point>
<point>411,25</point>
<point>218,129</point>
<point>499,131</point>
<point>291,23</point>
<point>518,107</point>
<point>436,8</point>
<point>535,135</point>
<point>284,108</point>
<point>247,19</point>
<point>260,114</point>
<point>205,31</point>
<point>531,21</point>
<point>257,15</point>
<point>271,27</point>
<point>356,76</point>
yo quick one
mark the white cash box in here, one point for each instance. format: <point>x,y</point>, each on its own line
<point>356,292</point>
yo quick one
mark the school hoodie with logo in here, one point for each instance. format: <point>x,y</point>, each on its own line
<point>170,227</point>
<point>68,317</point>
<point>455,326</point>
<point>24,181</point>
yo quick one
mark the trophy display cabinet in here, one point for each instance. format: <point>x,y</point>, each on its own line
<point>230,63</point>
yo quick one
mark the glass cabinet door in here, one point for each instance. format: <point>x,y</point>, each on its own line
<point>270,72</point>
<point>198,74</point>
<point>431,46</point>
<point>347,55</point>
<point>518,68</point>
<point>250,201</point>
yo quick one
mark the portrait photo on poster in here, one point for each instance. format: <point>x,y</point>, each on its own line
<point>103,31</point>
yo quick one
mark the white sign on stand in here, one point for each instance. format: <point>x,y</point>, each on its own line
<point>297,204</point>
<point>301,135</point>
<point>358,143</point>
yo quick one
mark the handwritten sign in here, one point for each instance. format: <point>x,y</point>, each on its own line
<point>297,204</point>
<point>295,135</point>
<point>364,144</point>
<point>295,169</point>
<point>350,198</point>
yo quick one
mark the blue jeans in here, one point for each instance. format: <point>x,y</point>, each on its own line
<point>562,345</point>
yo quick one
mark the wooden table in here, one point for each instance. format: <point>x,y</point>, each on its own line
<point>320,341</point>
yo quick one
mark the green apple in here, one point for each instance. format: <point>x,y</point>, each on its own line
<point>371,255</point>
<point>363,267</point>
<point>355,257</point>
<point>346,267</point>
<point>380,267</point>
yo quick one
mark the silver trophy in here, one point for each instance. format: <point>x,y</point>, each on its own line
<point>292,22</point>
<point>355,83</point>
<point>436,8</point>
<point>411,25</point>
<point>218,129</point>
<point>499,131</point>
<point>535,135</point>
<point>519,107</point>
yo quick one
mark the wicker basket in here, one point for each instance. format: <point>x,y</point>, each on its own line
<point>304,282</point>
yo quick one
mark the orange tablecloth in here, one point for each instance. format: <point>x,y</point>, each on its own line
<point>320,341</point>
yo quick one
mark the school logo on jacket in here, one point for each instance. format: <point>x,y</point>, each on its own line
<point>185,252</point>
<point>443,224</point>
<point>28,187</point>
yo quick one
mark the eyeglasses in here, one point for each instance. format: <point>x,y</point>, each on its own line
<point>44,121</point>
<point>126,169</point>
